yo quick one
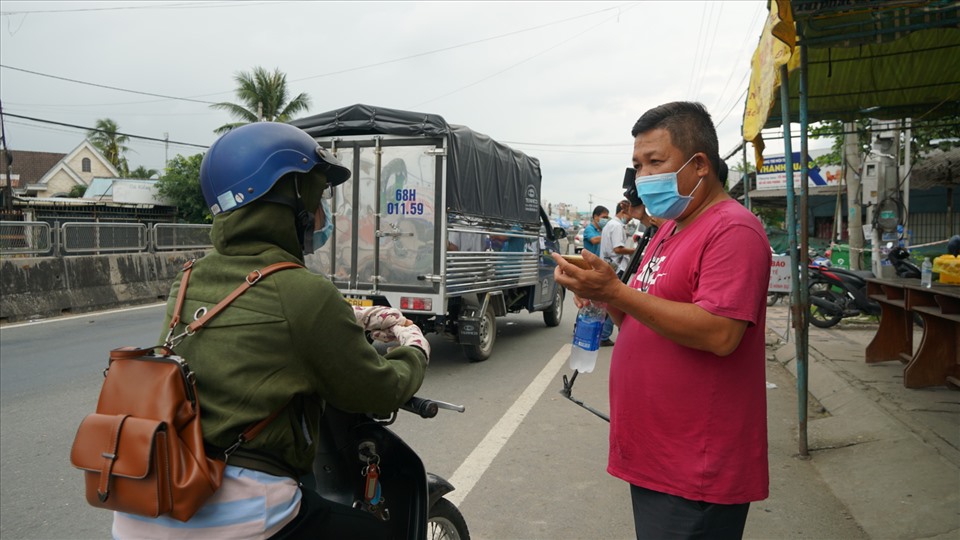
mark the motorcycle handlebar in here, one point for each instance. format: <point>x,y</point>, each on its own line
<point>419,406</point>
<point>428,408</point>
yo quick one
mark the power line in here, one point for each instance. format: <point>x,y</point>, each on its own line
<point>105,86</point>
<point>696,55</point>
<point>608,145</point>
<point>713,39</point>
<point>626,152</point>
<point>188,5</point>
<point>559,146</point>
<point>525,60</point>
<point>743,47</point>
<point>132,136</point>
<point>339,72</point>
<point>465,44</point>
<point>734,105</point>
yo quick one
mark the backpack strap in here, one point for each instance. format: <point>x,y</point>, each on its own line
<point>181,295</point>
<point>251,280</point>
<point>252,431</point>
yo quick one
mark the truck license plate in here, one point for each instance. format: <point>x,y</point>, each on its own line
<point>362,302</point>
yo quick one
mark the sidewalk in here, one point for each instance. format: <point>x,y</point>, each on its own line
<point>890,454</point>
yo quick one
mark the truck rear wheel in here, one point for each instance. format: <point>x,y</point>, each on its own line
<point>553,314</point>
<point>488,334</point>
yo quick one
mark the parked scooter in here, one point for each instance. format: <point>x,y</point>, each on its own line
<point>900,259</point>
<point>362,463</point>
<point>837,293</point>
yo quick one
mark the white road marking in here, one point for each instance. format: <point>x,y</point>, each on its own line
<point>82,315</point>
<point>468,474</point>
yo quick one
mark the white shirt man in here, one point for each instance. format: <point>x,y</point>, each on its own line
<point>613,239</point>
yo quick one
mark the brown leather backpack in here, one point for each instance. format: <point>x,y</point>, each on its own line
<point>142,451</point>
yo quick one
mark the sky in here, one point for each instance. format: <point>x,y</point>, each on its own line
<point>561,81</point>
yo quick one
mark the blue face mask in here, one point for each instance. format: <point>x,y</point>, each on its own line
<point>660,195</point>
<point>603,222</point>
<point>320,237</point>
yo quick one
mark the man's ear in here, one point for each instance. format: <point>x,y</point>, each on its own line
<point>702,164</point>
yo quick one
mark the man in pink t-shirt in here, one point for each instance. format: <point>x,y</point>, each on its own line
<point>688,425</point>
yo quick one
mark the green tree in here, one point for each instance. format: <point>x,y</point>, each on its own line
<point>181,185</point>
<point>77,191</point>
<point>940,133</point>
<point>106,138</point>
<point>834,129</point>
<point>739,167</point>
<point>926,135</point>
<point>263,97</point>
<point>772,217</point>
<point>142,172</point>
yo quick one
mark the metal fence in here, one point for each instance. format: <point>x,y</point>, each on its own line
<point>39,238</point>
<point>25,237</point>
<point>181,236</point>
<point>103,237</point>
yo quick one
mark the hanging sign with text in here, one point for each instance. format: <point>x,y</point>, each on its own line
<point>773,173</point>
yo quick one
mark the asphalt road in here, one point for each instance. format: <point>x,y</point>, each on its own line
<point>526,462</point>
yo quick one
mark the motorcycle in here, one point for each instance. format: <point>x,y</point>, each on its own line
<point>363,464</point>
<point>900,259</point>
<point>836,293</point>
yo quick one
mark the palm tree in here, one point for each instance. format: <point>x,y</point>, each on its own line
<point>110,143</point>
<point>142,172</point>
<point>264,97</point>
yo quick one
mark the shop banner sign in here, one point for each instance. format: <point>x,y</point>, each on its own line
<point>773,173</point>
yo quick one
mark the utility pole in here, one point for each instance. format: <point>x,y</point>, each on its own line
<point>745,177</point>
<point>905,177</point>
<point>851,176</point>
<point>8,161</point>
<point>166,150</point>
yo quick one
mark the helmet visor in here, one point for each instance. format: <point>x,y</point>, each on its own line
<point>332,167</point>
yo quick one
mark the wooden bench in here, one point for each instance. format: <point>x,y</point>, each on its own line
<point>937,359</point>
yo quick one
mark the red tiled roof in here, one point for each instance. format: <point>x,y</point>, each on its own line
<point>31,166</point>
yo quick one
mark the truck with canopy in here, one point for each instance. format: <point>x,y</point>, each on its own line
<point>437,220</point>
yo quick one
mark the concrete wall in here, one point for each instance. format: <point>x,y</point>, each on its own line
<point>40,287</point>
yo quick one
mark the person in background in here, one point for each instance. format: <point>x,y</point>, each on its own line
<point>464,241</point>
<point>614,250</point>
<point>290,344</point>
<point>613,242</point>
<point>593,231</point>
<point>688,424</point>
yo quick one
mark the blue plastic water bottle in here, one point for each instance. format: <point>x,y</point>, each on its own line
<point>586,339</point>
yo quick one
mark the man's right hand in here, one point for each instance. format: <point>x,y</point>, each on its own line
<point>599,283</point>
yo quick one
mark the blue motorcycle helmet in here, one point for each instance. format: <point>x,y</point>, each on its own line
<point>245,163</point>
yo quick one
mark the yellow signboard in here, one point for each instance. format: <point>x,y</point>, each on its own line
<point>776,48</point>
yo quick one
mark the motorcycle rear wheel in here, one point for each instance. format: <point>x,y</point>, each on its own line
<point>445,522</point>
<point>820,317</point>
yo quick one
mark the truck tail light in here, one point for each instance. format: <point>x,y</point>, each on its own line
<point>416,303</point>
